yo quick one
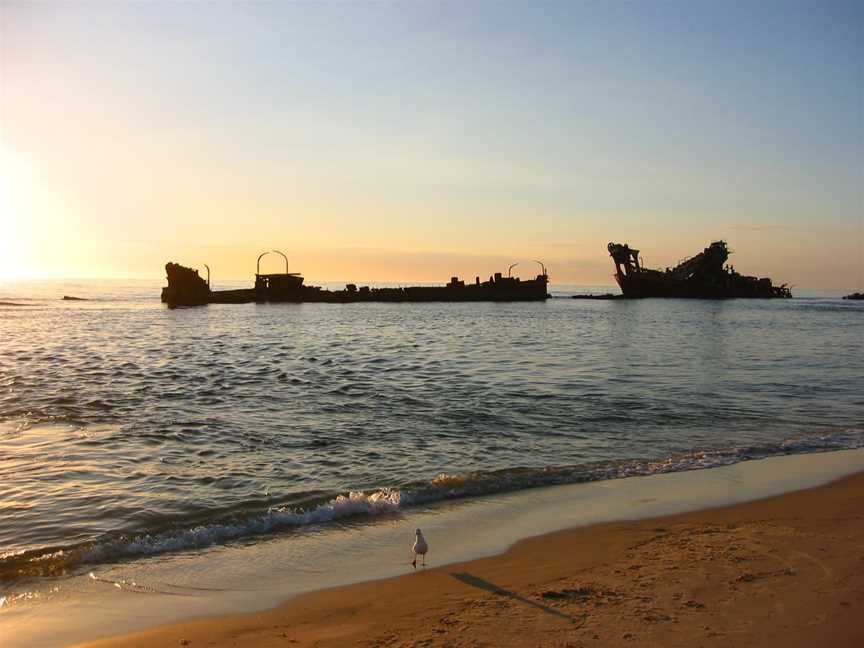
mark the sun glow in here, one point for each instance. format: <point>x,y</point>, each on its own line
<point>24,202</point>
<point>11,225</point>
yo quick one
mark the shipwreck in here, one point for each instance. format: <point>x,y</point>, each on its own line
<point>187,288</point>
<point>704,276</point>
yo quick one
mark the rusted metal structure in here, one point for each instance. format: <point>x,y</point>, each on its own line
<point>186,288</point>
<point>704,276</point>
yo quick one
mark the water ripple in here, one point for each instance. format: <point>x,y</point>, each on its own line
<point>122,419</point>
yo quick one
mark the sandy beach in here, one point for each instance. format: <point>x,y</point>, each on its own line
<point>787,570</point>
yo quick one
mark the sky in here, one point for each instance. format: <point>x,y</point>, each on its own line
<point>418,140</point>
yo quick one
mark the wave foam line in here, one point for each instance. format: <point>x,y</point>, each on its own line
<point>353,504</point>
<point>391,500</point>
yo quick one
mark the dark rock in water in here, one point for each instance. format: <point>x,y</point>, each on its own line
<point>603,296</point>
<point>5,303</point>
<point>855,295</point>
<point>702,276</point>
<point>69,298</point>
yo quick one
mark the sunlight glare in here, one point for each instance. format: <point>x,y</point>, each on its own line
<point>21,199</point>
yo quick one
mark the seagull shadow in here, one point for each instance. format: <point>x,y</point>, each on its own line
<point>485,585</point>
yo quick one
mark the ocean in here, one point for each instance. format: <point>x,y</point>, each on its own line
<point>131,432</point>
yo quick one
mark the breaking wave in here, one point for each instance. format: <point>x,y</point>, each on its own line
<point>61,560</point>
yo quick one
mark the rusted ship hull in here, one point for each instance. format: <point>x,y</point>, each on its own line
<point>659,287</point>
<point>187,288</point>
<point>703,276</point>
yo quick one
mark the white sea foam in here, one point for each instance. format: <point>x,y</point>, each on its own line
<point>444,486</point>
<point>353,504</point>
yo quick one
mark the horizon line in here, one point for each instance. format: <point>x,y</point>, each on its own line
<point>354,281</point>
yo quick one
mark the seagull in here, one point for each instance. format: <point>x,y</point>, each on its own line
<point>420,547</point>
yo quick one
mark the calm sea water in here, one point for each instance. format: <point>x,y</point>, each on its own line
<point>128,429</point>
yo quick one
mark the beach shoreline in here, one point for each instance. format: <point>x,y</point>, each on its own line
<point>782,570</point>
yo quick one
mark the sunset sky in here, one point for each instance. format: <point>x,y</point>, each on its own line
<point>412,141</point>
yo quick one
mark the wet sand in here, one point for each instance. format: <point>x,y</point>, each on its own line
<point>784,571</point>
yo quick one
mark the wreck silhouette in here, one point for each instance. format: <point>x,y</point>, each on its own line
<point>702,276</point>
<point>187,288</point>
